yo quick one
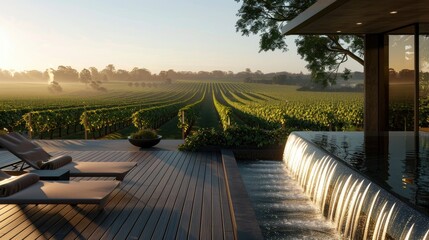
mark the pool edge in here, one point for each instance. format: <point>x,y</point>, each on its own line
<point>244,218</point>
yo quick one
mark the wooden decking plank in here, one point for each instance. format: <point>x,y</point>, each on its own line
<point>141,197</point>
<point>39,219</point>
<point>168,208</point>
<point>85,230</point>
<point>154,177</point>
<point>22,222</point>
<point>6,210</point>
<point>105,226</point>
<point>96,231</point>
<point>83,212</point>
<point>168,195</point>
<point>118,156</point>
<point>161,199</point>
<point>44,231</point>
<point>185,217</point>
<point>106,157</point>
<point>195,224</point>
<point>173,223</point>
<point>72,229</point>
<point>19,214</point>
<point>217,224</point>
<point>122,197</point>
<point>176,162</point>
<point>86,156</point>
<point>206,214</point>
<point>81,220</point>
<point>226,211</point>
<point>76,217</point>
<point>90,210</point>
<point>151,200</point>
<point>70,221</point>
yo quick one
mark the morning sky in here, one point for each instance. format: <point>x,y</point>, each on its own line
<point>184,35</point>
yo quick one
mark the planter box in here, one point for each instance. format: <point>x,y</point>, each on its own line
<point>145,143</point>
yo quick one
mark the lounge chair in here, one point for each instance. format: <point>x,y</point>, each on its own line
<point>28,189</point>
<point>36,157</point>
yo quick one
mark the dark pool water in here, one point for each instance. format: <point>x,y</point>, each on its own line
<point>281,206</point>
<point>399,162</point>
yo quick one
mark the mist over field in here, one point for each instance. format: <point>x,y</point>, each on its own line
<point>56,80</point>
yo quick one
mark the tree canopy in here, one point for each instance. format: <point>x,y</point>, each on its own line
<point>85,76</point>
<point>323,53</point>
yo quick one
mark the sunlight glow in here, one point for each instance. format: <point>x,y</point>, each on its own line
<point>47,34</point>
<point>5,47</point>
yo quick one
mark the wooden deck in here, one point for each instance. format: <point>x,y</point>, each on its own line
<point>170,194</point>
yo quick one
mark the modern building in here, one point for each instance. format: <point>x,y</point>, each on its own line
<point>396,54</point>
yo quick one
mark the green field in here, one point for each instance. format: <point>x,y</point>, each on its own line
<point>217,105</point>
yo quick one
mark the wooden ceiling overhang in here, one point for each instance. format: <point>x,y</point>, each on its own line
<point>358,17</point>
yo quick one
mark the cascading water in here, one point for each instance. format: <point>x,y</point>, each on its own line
<point>359,208</point>
<point>282,209</point>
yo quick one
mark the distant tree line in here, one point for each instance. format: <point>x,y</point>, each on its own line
<point>110,73</point>
<point>92,75</point>
<point>298,79</point>
<point>283,78</point>
<point>86,75</point>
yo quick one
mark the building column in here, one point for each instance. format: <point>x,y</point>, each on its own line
<point>376,106</point>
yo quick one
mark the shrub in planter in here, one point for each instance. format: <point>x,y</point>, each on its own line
<point>144,138</point>
<point>201,138</point>
<point>237,136</point>
<point>144,134</point>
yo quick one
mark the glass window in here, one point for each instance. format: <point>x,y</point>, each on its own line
<point>401,80</point>
<point>424,77</point>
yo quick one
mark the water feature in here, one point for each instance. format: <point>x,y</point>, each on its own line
<point>335,181</point>
<point>399,162</point>
<point>359,207</point>
<point>282,208</point>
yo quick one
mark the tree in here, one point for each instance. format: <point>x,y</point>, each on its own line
<point>171,74</point>
<point>109,71</point>
<point>162,75</point>
<point>30,75</point>
<point>218,74</point>
<point>95,75</point>
<point>323,53</point>
<point>85,76</point>
<point>5,75</point>
<point>140,74</point>
<point>35,75</point>
<point>66,74</point>
<point>122,75</point>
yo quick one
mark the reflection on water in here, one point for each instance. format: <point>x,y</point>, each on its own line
<point>398,162</point>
